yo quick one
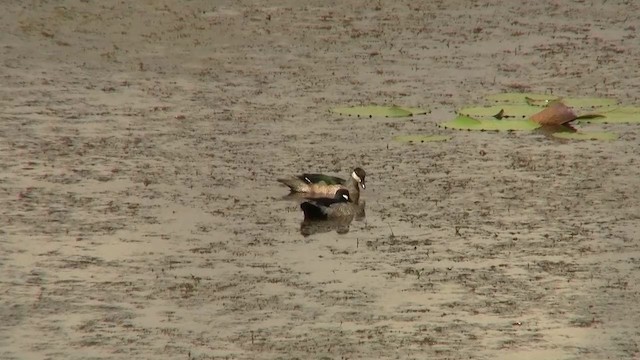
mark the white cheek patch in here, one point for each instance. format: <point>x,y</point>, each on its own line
<point>356,177</point>
<point>345,197</point>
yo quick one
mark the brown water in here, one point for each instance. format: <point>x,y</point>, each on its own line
<point>141,218</point>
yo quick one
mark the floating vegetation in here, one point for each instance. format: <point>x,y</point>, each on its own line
<point>556,113</point>
<point>541,100</point>
<point>518,111</point>
<point>552,115</point>
<point>378,111</point>
<point>619,115</point>
<point>522,98</point>
<point>468,123</point>
<point>599,104</point>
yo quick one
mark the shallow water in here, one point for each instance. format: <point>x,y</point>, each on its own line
<point>141,217</point>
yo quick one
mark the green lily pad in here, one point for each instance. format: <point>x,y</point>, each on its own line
<point>521,111</point>
<point>620,115</point>
<point>521,98</point>
<point>589,103</point>
<point>415,111</point>
<point>589,117</point>
<point>461,123</point>
<point>603,136</point>
<point>534,99</point>
<point>468,123</point>
<point>378,111</point>
<point>415,139</point>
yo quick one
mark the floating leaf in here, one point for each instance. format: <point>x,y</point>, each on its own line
<point>522,111</point>
<point>378,111</point>
<point>589,103</point>
<point>603,136</point>
<point>590,116</point>
<point>461,122</point>
<point>555,114</point>
<point>538,102</point>
<point>415,111</point>
<point>620,115</point>
<point>468,123</point>
<point>534,99</point>
<point>415,139</point>
<point>522,98</point>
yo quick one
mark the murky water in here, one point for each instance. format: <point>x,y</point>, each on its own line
<point>142,218</point>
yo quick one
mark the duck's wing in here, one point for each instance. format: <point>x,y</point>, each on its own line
<point>313,210</point>
<point>321,178</point>
<point>325,202</point>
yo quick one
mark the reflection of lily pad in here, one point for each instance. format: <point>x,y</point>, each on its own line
<point>620,115</point>
<point>378,111</point>
<point>468,123</point>
<point>604,136</point>
<point>414,139</point>
<point>545,99</point>
<point>521,111</point>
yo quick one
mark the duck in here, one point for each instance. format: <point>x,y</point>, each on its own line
<point>338,207</point>
<point>321,185</point>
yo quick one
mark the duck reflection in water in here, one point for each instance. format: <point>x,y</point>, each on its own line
<point>310,227</point>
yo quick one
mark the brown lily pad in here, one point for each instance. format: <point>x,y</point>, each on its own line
<point>555,114</point>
